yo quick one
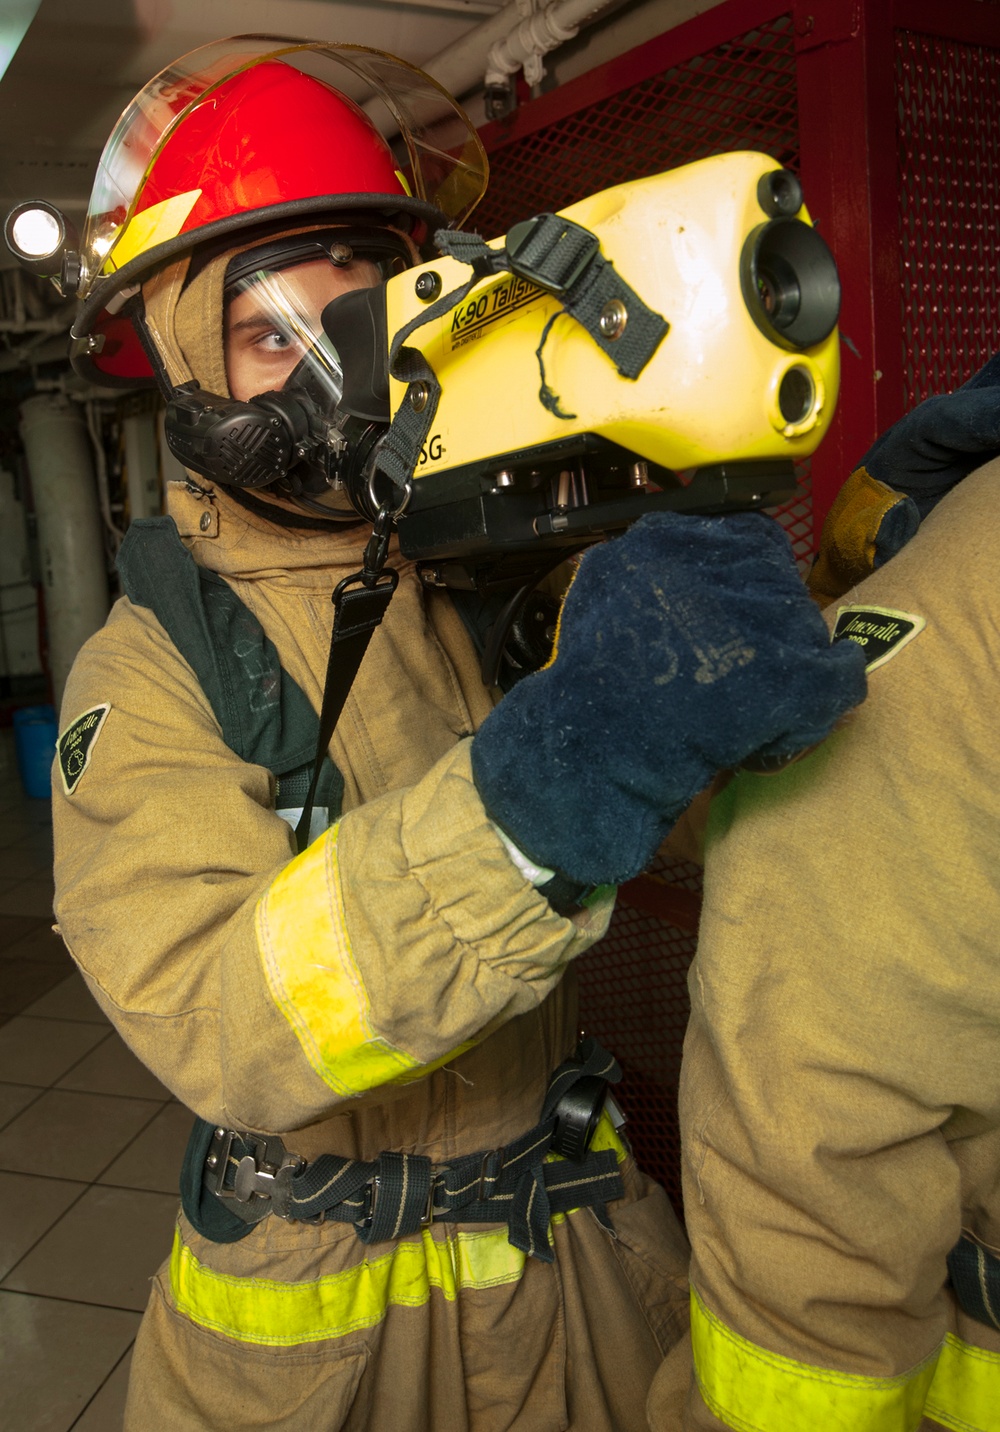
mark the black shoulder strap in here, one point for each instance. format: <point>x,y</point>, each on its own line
<point>265,716</point>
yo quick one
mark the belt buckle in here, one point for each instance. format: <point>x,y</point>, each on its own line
<point>374,1185</point>
<point>218,1161</point>
<point>264,1173</point>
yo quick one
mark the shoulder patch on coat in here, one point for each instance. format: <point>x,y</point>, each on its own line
<point>76,743</point>
<point>881,632</point>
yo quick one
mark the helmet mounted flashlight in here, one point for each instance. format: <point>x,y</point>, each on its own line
<point>45,243</point>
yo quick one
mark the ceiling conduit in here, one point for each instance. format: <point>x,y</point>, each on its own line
<point>514,34</point>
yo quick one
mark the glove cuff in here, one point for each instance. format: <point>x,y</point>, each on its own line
<point>867,524</point>
<point>564,894</point>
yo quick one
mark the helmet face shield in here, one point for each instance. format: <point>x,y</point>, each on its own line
<point>286,113</point>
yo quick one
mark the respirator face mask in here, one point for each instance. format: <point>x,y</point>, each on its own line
<point>309,398</point>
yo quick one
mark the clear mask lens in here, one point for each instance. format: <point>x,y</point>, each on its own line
<point>275,342</point>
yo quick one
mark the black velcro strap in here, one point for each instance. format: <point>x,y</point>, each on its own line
<point>565,258</point>
<point>975,1278</point>
<point>408,431</point>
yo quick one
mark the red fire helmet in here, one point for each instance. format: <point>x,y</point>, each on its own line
<point>249,134</point>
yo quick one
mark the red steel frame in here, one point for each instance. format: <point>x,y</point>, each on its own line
<point>847,109</point>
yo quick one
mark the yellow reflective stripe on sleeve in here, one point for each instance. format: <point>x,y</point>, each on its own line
<point>260,1310</point>
<point>754,1390</point>
<point>965,1393</point>
<point>314,979</point>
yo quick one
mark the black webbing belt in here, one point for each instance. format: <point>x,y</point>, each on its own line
<point>397,1194</point>
<point>975,1278</point>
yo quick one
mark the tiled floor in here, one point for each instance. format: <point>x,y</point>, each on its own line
<point>90,1150</point>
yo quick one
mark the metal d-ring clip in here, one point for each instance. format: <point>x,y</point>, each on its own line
<point>404,501</point>
<point>375,1185</point>
<point>265,1172</point>
<point>485,1174</point>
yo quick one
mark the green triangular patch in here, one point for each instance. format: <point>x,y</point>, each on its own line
<point>76,743</point>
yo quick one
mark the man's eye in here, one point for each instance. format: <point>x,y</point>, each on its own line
<point>274,342</point>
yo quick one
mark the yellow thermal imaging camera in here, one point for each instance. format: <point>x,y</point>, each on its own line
<point>540,442</point>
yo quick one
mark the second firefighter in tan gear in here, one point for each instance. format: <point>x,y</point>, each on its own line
<point>839,1103</point>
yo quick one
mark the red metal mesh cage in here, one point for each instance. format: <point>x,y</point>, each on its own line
<point>633,997</point>
<point>948,114</point>
<point>739,95</point>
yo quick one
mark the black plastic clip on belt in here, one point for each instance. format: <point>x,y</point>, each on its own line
<point>359,603</point>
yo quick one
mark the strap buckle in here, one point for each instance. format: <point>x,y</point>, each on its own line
<point>374,1186</point>
<point>489,1171</point>
<point>265,1172</point>
<point>562,252</point>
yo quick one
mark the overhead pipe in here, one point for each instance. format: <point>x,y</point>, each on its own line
<point>462,66</point>
<point>540,32</point>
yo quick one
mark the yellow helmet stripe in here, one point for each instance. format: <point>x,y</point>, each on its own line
<point>153,226</point>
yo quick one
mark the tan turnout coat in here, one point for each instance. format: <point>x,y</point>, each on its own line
<point>840,1099</point>
<point>249,983</point>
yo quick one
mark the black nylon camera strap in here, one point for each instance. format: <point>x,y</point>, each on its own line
<point>360,602</point>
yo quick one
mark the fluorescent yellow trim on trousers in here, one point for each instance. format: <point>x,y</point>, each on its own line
<point>260,1310</point>
<point>754,1390</point>
<point>314,979</point>
<point>965,1393</point>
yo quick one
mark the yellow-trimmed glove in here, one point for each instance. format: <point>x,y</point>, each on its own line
<point>867,524</point>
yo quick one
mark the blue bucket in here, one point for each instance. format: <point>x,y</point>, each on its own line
<point>35,732</point>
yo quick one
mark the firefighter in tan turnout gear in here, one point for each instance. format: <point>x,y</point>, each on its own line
<point>378,1033</point>
<point>840,1096</point>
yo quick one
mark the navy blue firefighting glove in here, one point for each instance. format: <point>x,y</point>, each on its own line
<point>904,474</point>
<point>684,647</point>
<point>929,451</point>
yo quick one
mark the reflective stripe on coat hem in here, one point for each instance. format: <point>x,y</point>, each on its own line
<point>249,1308</point>
<point>965,1393</point>
<point>754,1390</point>
<point>253,1309</point>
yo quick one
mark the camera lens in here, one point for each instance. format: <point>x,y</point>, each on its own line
<point>779,292</point>
<point>790,283</point>
<point>796,395</point>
